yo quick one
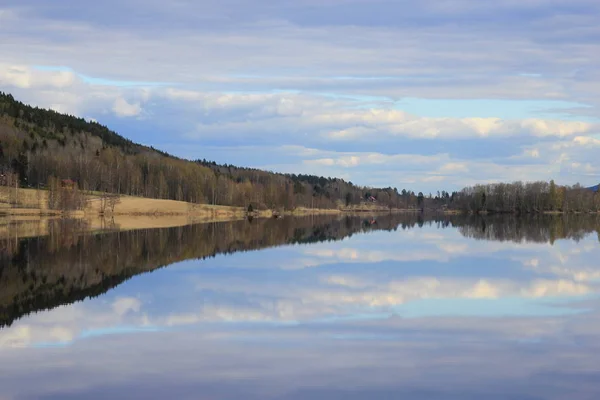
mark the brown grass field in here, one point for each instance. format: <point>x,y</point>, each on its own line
<point>25,212</point>
<point>35,202</point>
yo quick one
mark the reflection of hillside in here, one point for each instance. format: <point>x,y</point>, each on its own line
<point>69,265</point>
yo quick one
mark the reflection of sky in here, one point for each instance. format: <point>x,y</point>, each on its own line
<point>421,313</point>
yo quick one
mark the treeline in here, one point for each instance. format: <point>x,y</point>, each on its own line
<point>37,146</point>
<point>321,192</point>
<point>524,198</point>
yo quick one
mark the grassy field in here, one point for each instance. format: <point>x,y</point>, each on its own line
<point>25,212</point>
<point>31,205</point>
<point>35,202</point>
<point>15,201</point>
<point>28,208</point>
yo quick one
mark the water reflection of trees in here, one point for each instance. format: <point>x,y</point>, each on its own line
<point>539,228</point>
<point>533,228</point>
<point>70,264</point>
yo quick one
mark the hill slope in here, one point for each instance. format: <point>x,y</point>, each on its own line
<point>38,145</point>
<point>39,148</point>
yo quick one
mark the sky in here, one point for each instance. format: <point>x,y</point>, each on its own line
<point>429,95</point>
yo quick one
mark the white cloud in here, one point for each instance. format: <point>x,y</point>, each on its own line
<point>433,178</point>
<point>349,160</point>
<point>454,167</point>
<point>123,305</point>
<point>182,319</point>
<point>25,77</point>
<point>322,161</point>
<point>586,141</point>
<point>548,288</point>
<point>400,170</point>
<point>586,168</point>
<point>556,128</point>
<point>377,123</point>
<point>533,153</point>
<point>124,109</point>
<point>18,336</point>
<point>482,290</point>
<point>61,334</point>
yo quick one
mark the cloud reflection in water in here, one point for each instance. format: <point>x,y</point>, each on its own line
<point>422,313</point>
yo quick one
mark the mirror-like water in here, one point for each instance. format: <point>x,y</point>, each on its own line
<point>397,307</point>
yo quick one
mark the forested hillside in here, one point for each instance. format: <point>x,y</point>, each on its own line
<point>40,146</point>
<point>37,145</point>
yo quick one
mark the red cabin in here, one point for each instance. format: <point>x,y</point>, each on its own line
<point>67,184</point>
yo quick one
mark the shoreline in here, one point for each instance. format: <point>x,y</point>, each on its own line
<point>24,225</point>
<point>19,202</point>
<point>29,223</point>
<point>30,207</point>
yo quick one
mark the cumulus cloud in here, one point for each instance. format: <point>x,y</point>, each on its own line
<point>65,324</point>
<point>556,128</point>
<point>122,108</point>
<point>25,77</point>
<point>409,170</point>
<point>350,160</point>
<point>481,127</point>
<point>377,123</point>
<point>20,336</point>
<point>125,304</point>
<point>345,294</point>
<point>586,141</point>
<point>182,319</point>
<point>454,167</point>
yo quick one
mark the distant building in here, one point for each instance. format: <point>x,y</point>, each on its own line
<point>372,199</point>
<point>67,184</point>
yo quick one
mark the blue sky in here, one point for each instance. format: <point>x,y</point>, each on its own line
<point>429,95</point>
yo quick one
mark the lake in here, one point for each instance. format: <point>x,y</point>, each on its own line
<point>392,307</point>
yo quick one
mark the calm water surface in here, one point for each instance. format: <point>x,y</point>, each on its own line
<point>398,308</point>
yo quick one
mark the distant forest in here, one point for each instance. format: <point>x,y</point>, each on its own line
<point>39,146</point>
